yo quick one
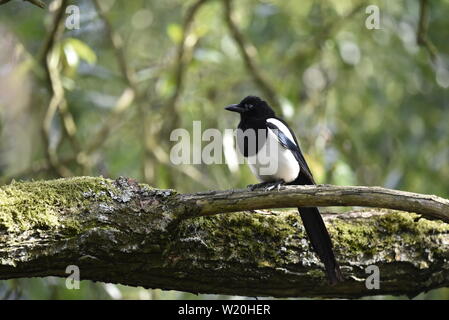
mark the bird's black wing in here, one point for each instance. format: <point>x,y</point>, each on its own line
<point>293,146</point>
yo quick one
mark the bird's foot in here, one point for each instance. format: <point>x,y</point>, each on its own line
<point>273,185</point>
<point>267,186</point>
<point>257,186</point>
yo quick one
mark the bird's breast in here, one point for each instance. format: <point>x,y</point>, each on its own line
<point>272,162</point>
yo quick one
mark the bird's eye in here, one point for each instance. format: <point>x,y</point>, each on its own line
<point>248,106</point>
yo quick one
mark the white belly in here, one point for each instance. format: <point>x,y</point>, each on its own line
<point>274,166</point>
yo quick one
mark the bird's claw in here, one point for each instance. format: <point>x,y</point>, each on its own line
<point>267,186</point>
<point>274,185</point>
<point>256,186</point>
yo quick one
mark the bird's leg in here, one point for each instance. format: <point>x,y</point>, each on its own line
<point>256,186</point>
<point>267,186</point>
<point>276,184</point>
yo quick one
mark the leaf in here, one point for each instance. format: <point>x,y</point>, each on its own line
<point>81,49</point>
<point>174,31</point>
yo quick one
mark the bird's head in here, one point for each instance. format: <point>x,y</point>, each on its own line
<point>252,107</point>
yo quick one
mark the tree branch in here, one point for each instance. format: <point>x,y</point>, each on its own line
<point>214,202</point>
<point>123,232</point>
<point>248,52</point>
<point>57,101</point>
<point>422,37</point>
<point>138,96</point>
<point>37,3</point>
<point>183,57</point>
<point>184,53</point>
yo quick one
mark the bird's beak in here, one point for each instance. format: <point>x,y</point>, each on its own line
<point>235,108</point>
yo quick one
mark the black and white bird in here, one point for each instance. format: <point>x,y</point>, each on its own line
<point>273,154</point>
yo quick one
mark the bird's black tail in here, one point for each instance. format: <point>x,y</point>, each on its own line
<point>321,242</point>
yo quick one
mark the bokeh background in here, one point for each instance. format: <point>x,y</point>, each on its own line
<point>369,106</point>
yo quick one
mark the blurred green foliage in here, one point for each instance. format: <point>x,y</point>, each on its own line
<point>370,107</point>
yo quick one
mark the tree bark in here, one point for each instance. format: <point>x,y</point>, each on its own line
<point>124,232</point>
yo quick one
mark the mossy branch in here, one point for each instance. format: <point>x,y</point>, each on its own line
<point>124,232</point>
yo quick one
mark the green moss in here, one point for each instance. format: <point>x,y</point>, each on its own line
<point>246,237</point>
<point>42,204</point>
<point>398,222</point>
<point>357,237</point>
<point>379,234</point>
<point>268,240</point>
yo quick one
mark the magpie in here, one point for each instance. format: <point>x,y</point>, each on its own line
<point>290,168</point>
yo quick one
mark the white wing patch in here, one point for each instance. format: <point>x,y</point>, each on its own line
<point>282,127</point>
